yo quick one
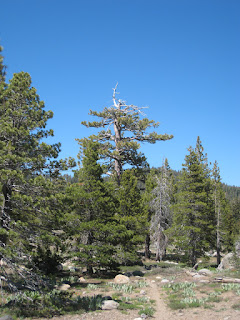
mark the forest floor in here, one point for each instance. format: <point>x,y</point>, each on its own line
<point>165,292</point>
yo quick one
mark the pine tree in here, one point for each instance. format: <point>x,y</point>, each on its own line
<point>120,146</point>
<point>192,228</point>
<point>218,208</point>
<point>231,224</point>
<point>131,215</point>
<point>28,165</point>
<point>92,222</point>
<point>150,184</point>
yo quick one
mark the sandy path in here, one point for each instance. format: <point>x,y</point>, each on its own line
<point>162,312</point>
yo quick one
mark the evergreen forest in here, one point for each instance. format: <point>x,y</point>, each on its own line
<point>114,209</point>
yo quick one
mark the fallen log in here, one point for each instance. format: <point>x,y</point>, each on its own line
<point>226,280</point>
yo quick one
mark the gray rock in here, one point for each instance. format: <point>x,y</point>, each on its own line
<point>227,262</point>
<point>198,276</point>
<point>143,292</point>
<point>109,305</point>
<point>6,317</point>
<point>120,278</point>
<point>237,248</point>
<point>205,272</point>
<point>165,281</point>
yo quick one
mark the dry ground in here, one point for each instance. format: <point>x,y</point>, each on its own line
<point>222,310</point>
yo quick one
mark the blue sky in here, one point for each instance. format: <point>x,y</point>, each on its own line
<point>179,57</point>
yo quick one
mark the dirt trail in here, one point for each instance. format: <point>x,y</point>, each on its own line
<point>162,311</point>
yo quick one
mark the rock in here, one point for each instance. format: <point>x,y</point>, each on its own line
<point>205,272</point>
<point>60,267</point>
<point>165,281</point>
<point>109,305</point>
<point>198,276</point>
<point>237,248</point>
<point>137,319</point>
<point>143,292</point>
<point>64,287</point>
<point>6,317</point>
<point>81,279</point>
<point>120,278</point>
<point>158,277</point>
<point>227,262</point>
<point>204,281</point>
<point>153,281</point>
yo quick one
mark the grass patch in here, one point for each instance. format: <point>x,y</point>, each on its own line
<point>148,311</point>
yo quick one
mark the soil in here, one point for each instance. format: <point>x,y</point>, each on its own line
<point>217,311</point>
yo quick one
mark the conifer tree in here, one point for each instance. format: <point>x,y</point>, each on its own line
<point>192,223</point>
<point>28,165</point>
<point>131,215</point>
<point>92,222</point>
<point>122,133</point>
<point>218,208</point>
<point>150,184</point>
<point>231,223</point>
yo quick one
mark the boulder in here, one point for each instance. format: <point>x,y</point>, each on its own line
<point>237,248</point>
<point>81,279</point>
<point>205,272</point>
<point>198,276</point>
<point>120,278</point>
<point>64,287</point>
<point>6,317</point>
<point>165,281</point>
<point>109,305</point>
<point>227,262</point>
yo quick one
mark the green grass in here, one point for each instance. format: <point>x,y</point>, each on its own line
<point>184,295</point>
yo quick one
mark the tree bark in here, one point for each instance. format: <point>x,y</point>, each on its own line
<point>147,247</point>
<point>6,210</point>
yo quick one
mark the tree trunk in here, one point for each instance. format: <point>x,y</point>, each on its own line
<point>218,237</point>
<point>118,163</point>
<point>161,246</point>
<point>6,210</point>
<point>147,245</point>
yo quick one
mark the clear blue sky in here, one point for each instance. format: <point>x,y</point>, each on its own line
<point>179,57</point>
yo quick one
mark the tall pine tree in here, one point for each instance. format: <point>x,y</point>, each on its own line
<point>192,229</point>
<point>28,165</point>
<point>123,131</point>
<point>92,221</point>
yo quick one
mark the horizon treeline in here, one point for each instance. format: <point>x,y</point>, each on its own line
<point>103,215</point>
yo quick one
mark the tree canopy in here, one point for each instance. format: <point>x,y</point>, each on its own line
<point>123,131</point>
